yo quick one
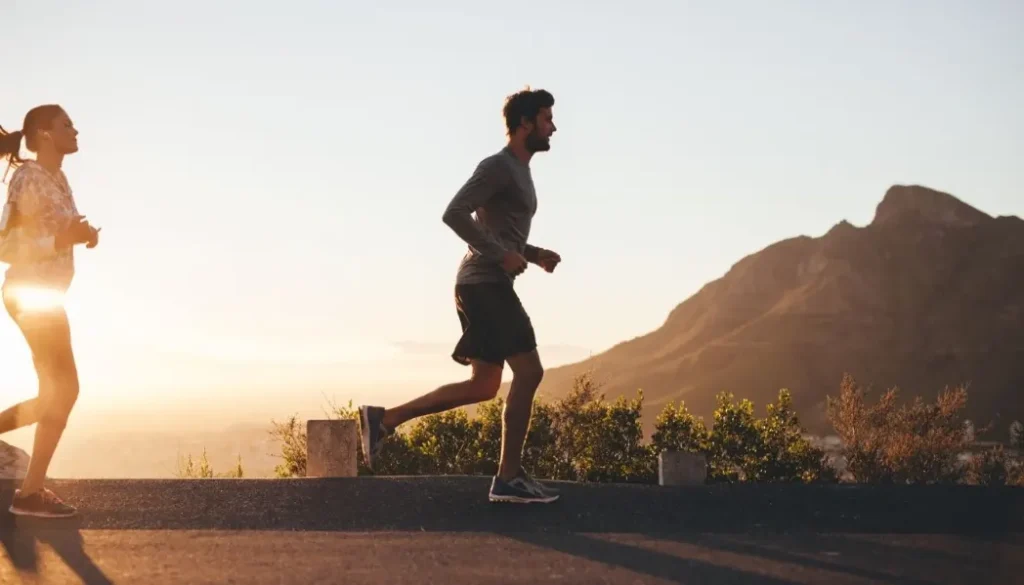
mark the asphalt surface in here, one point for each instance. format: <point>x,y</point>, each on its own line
<point>443,530</point>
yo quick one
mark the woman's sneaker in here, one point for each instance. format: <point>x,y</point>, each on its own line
<point>519,491</point>
<point>41,504</point>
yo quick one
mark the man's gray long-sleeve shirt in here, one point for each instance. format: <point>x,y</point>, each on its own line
<point>501,193</point>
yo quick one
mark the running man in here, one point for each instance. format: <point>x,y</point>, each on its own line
<point>495,326</point>
<point>41,227</point>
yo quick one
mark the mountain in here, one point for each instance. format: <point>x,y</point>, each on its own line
<point>930,294</point>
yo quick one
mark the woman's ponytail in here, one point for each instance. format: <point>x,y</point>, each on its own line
<point>10,147</point>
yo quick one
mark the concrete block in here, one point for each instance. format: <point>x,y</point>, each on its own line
<point>13,462</point>
<point>681,468</point>
<point>332,448</point>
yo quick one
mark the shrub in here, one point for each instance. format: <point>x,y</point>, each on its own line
<point>990,467</point>
<point>733,441</point>
<point>583,437</point>
<point>781,452</point>
<point>292,436</point>
<point>187,468</point>
<point>676,429</point>
<point>892,443</point>
<point>446,443</point>
<point>597,441</point>
<point>741,447</point>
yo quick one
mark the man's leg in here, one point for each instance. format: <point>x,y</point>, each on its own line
<point>479,318</point>
<point>376,423</point>
<point>481,386</point>
<point>519,344</point>
<point>527,373</point>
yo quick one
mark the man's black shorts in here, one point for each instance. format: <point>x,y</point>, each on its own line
<point>495,325</point>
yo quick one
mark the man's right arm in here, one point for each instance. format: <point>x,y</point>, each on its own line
<point>488,179</point>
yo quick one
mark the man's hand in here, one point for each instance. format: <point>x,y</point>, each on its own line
<point>513,263</point>
<point>548,260</point>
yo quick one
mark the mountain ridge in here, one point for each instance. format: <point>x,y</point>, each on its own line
<point>929,294</point>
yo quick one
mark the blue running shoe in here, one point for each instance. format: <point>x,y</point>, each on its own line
<point>371,423</point>
<point>549,490</point>
<point>519,491</point>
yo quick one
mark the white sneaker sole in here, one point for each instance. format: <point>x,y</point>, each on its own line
<point>26,513</point>
<point>519,500</point>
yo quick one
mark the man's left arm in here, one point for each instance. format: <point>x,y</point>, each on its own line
<point>542,257</point>
<point>532,253</point>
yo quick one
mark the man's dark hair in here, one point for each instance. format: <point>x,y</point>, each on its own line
<point>525,104</point>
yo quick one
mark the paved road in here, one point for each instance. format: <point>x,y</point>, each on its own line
<point>442,530</point>
<point>275,557</point>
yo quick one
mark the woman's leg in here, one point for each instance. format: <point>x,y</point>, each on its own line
<point>19,415</point>
<point>49,337</point>
<point>27,412</point>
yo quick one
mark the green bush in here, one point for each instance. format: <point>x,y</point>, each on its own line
<point>773,449</point>
<point>583,437</point>
<point>781,452</point>
<point>676,429</point>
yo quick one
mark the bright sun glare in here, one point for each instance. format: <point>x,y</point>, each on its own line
<point>37,298</point>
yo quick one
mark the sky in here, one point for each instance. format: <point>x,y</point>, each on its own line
<point>270,176</point>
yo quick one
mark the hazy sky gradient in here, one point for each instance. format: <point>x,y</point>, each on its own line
<point>270,176</point>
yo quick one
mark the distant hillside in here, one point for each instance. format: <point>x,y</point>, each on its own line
<point>929,294</point>
<point>146,454</point>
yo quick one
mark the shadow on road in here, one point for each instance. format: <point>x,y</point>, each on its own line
<point>19,538</point>
<point>777,559</point>
<point>643,560</point>
<point>791,551</point>
<point>889,559</point>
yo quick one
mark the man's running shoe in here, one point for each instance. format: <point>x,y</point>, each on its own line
<point>371,423</point>
<point>41,504</point>
<point>519,491</point>
<point>549,490</point>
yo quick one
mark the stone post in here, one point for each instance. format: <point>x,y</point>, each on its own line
<point>677,468</point>
<point>13,462</point>
<point>332,448</point>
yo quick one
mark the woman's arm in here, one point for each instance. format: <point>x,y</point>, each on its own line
<point>41,225</point>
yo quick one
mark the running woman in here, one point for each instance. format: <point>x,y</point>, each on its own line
<point>43,226</point>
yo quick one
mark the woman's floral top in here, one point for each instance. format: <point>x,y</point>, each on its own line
<point>43,207</point>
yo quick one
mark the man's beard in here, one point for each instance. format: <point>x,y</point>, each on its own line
<point>535,143</point>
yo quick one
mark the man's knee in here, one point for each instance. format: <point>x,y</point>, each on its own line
<point>485,380</point>
<point>527,368</point>
<point>531,377</point>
